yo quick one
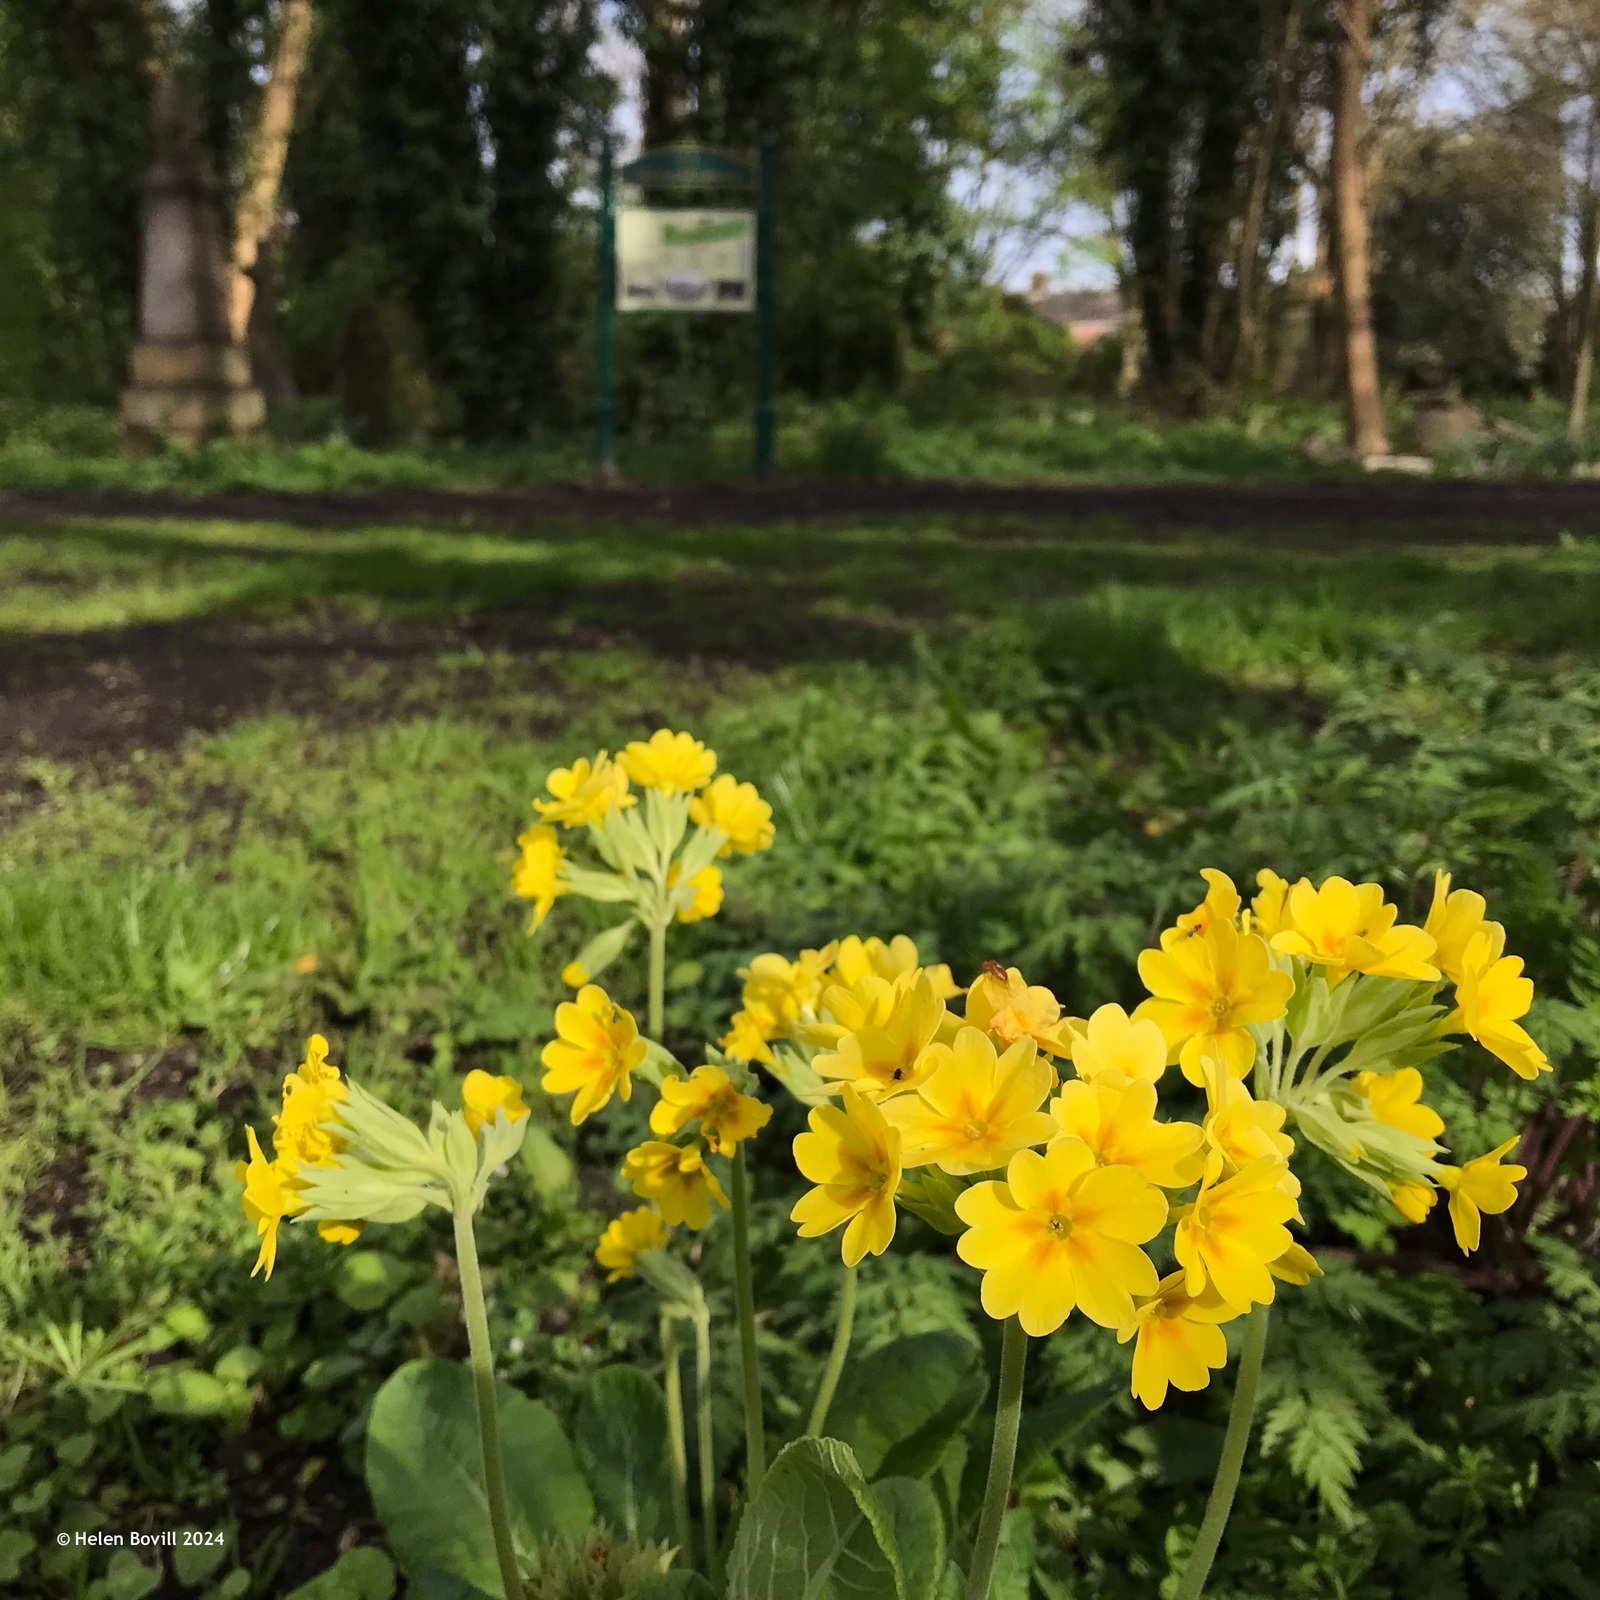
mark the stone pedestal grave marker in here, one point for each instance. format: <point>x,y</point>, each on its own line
<point>188,378</point>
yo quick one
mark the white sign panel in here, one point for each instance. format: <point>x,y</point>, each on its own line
<point>685,260</point>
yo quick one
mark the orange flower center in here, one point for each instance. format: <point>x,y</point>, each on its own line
<point>1058,1227</point>
<point>1220,1007</point>
<point>974,1129</point>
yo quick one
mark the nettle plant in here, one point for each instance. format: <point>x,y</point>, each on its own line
<point>1031,1136</point>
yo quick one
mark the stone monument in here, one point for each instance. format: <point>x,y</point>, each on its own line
<point>189,379</point>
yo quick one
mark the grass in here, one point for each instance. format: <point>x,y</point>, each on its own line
<point>261,779</point>
<point>1073,440</point>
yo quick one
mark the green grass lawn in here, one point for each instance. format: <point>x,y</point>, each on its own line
<point>256,779</point>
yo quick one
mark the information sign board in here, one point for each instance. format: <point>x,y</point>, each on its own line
<point>674,260</point>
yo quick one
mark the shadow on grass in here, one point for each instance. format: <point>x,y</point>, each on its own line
<point>117,634</point>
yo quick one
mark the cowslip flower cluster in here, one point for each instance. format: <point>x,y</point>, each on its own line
<point>659,858</point>
<point>342,1158</point>
<point>598,1052</point>
<point>1035,1135</point>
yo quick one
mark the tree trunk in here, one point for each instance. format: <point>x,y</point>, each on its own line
<point>1353,263</point>
<point>264,158</point>
<point>1255,210</point>
<point>1588,303</point>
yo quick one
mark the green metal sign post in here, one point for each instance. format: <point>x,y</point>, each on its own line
<point>605,404</point>
<point>683,168</point>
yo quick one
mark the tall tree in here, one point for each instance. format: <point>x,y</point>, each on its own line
<point>257,205</point>
<point>1364,427</point>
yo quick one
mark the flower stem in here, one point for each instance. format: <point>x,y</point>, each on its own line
<point>1002,1458</point>
<point>677,1444</point>
<point>706,1446</point>
<point>494,1472</point>
<point>658,979</point>
<point>836,1358</point>
<point>1240,1414</point>
<point>755,1434</point>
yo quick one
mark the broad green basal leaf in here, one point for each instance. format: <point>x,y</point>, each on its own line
<point>899,1407</point>
<point>815,1531</point>
<point>621,1441</point>
<point>913,1512</point>
<point>425,1472</point>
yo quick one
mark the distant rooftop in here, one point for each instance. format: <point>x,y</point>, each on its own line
<point>1090,314</point>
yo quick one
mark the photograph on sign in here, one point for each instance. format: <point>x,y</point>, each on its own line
<point>685,260</point>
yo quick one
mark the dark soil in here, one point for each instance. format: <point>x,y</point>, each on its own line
<point>1361,509</point>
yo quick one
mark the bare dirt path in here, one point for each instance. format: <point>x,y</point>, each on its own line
<point>1429,511</point>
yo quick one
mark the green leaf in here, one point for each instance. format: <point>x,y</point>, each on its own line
<point>931,1195</point>
<point>240,1364</point>
<point>814,1531</point>
<point>13,1463</point>
<point>679,1585</point>
<point>603,949</point>
<point>913,1512</point>
<point>15,1548</point>
<point>899,1407</point>
<point>432,1584</point>
<point>369,1279</point>
<point>234,1587</point>
<point>188,1322</point>
<point>1051,1423</point>
<point>548,1164</point>
<point>364,1573</point>
<point>192,1564</point>
<point>74,1450</point>
<point>425,1472</point>
<point>621,1443</point>
<point>127,1578</point>
<point>186,1392</point>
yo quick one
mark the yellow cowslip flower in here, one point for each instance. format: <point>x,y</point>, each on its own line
<point>784,989</point>
<point>1269,911</point>
<point>889,1057</point>
<point>674,763</point>
<point>737,810</point>
<point>708,1097</point>
<point>860,958</point>
<point>1112,1048</point>
<point>483,1094</point>
<point>1118,1123</point>
<point>584,792</point>
<point>269,1197</point>
<point>707,886</point>
<point>1206,991</point>
<point>1061,1234</point>
<point>1346,928</point>
<point>1240,1127</point>
<point>1177,1339</point>
<point>1221,904</point>
<point>677,1178</point>
<point>1413,1200</point>
<point>977,1108</point>
<point>304,1133</point>
<point>1395,1099</point>
<point>852,1155</point>
<point>1491,994</point>
<point>627,1238</point>
<point>868,1002</point>
<point>595,1051</point>
<point>1005,1006</point>
<point>750,1035</point>
<point>1478,1186</point>
<point>536,875</point>
<point>1296,1265</point>
<point>1455,918</point>
<point>1234,1229</point>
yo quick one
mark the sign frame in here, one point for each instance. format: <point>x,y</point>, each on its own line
<point>683,168</point>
